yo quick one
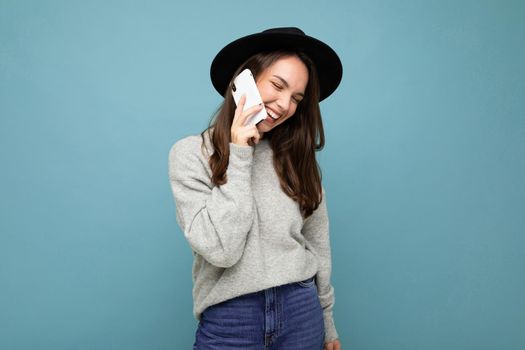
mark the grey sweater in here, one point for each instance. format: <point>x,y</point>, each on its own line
<point>246,235</point>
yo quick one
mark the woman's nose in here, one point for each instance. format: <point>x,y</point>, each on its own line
<point>284,104</point>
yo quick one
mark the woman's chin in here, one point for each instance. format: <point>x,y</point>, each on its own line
<point>263,127</point>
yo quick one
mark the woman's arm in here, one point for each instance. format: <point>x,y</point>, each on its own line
<point>215,219</point>
<point>316,232</point>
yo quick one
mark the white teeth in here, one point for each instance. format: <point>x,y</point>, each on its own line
<point>271,114</point>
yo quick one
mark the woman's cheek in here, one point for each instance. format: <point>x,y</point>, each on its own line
<point>265,93</point>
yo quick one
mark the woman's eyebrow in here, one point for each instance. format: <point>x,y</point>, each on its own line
<point>285,83</point>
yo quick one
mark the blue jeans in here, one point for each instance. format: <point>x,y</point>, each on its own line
<point>284,317</point>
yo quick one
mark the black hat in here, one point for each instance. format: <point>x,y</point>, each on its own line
<point>328,64</point>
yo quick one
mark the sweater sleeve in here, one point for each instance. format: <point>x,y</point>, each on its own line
<point>316,232</point>
<point>214,219</point>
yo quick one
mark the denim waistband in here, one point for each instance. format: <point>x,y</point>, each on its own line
<point>309,279</point>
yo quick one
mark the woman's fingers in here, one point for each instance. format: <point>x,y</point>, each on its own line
<point>243,135</point>
<point>333,345</point>
<point>240,116</point>
<point>249,112</point>
<point>240,133</point>
<point>254,140</point>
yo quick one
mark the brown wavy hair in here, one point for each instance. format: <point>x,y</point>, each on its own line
<point>294,142</point>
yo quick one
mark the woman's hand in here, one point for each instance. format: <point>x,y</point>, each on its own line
<point>242,134</point>
<point>332,345</point>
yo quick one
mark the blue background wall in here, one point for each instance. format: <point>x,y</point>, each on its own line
<point>423,168</point>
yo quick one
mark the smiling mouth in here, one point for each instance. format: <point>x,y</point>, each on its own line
<point>269,119</point>
<point>270,116</point>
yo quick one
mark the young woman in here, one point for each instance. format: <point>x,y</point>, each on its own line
<point>251,204</point>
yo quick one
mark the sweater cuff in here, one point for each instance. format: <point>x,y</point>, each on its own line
<point>243,152</point>
<point>329,327</point>
<point>240,163</point>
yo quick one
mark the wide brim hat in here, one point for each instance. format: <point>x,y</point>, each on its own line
<point>327,63</point>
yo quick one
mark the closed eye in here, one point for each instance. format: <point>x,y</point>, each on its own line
<point>298,98</point>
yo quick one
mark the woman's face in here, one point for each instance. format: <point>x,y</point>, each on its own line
<point>282,87</point>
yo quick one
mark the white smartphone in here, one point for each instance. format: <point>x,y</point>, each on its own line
<point>244,83</point>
